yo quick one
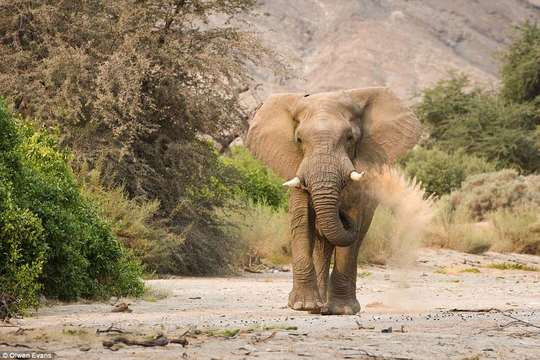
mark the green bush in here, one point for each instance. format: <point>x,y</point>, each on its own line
<point>258,183</point>
<point>521,65</point>
<point>481,123</point>
<point>441,172</point>
<point>52,238</point>
<point>503,190</point>
<point>22,252</point>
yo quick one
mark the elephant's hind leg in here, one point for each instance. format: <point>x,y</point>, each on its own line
<point>322,254</point>
<point>342,289</point>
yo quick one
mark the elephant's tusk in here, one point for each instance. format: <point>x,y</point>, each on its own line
<point>356,176</point>
<point>294,182</point>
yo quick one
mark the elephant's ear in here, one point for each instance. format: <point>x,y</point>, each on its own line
<point>271,135</point>
<point>389,128</point>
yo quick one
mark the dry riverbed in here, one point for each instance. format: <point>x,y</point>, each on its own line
<point>448,305</point>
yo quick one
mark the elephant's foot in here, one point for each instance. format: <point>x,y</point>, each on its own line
<point>305,298</point>
<point>341,307</point>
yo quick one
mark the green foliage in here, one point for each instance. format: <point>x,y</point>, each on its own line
<point>22,246</point>
<point>258,183</point>
<point>441,172</point>
<point>481,124</point>
<point>22,252</point>
<point>521,65</point>
<point>134,84</point>
<point>491,210</point>
<point>444,101</point>
<point>52,238</point>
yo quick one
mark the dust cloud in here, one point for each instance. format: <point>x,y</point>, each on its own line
<point>408,214</point>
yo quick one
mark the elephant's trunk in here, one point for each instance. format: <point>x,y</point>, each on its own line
<point>325,179</point>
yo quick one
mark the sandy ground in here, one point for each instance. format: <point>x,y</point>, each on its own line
<point>418,303</point>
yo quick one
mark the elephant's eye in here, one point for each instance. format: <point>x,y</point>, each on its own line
<point>350,138</point>
<point>298,140</point>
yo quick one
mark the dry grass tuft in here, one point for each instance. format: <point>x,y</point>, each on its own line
<point>454,230</point>
<point>502,230</point>
<point>512,266</point>
<point>263,232</point>
<point>131,220</point>
<point>470,270</point>
<point>154,293</point>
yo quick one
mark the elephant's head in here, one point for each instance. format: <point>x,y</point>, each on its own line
<point>321,142</point>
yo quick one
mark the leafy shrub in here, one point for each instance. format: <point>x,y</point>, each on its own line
<point>52,237</point>
<point>505,189</point>
<point>258,183</point>
<point>22,252</point>
<point>481,124</point>
<point>520,71</point>
<point>440,172</point>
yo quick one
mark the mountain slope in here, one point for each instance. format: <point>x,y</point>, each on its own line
<point>404,44</point>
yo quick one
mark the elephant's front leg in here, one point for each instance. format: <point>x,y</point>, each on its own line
<point>342,290</point>
<point>305,293</point>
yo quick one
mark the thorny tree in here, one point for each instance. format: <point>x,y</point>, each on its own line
<point>134,83</point>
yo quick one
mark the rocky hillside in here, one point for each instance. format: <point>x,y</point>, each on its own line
<point>404,44</point>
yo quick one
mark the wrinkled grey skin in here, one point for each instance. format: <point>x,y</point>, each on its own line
<point>321,139</point>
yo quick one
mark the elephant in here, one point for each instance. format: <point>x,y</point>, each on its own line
<point>326,145</point>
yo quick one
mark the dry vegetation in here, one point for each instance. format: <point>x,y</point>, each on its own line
<point>497,211</point>
<point>264,233</point>
<point>406,219</point>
